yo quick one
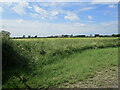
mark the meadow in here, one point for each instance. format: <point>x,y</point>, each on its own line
<point>51,62</point>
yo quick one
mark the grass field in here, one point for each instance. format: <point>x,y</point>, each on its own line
<point>55,61</point>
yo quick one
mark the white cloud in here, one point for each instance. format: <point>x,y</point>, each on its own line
<point>53,4</point>
<point>20,21</point>
<point>87,8</point>
<point>35,15</point>
<point>1,9</point>
<point>54,13</point>
<point>71,16</point>
<point>41,11</point>
<point>21,0</point>
<point>60,0</point>
<point>44,29</point>
<point>19,8</point>
<point>104,1</point>
<point>30,7</point>
<point>44,14</point>
<point>111,6</point>
<point>90,17</point>
<point>79,24</point>
<point>105,24</point>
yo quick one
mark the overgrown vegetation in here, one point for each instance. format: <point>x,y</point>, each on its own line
<point>14,63</point>
<point>55,61</point>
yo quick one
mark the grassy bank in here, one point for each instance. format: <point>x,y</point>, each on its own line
<point>57,61</point>
<point>79,66</point>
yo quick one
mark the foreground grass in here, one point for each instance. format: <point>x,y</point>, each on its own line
<point>76,67</point>
<point>79,66</point>
<point>54,61</point>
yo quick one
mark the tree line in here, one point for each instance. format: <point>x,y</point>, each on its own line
<point>60,36</point>
<point>68,36</point>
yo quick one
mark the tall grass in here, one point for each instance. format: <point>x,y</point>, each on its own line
<point>47,50</point>
<point>56,61</point>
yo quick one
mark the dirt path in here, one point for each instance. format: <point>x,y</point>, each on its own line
<point>103,79</point>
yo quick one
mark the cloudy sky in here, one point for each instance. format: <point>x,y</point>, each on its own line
<point>56,18</point>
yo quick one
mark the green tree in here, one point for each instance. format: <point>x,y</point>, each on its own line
<point>5,33</point>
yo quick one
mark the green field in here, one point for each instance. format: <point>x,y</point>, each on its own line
<point>50,62</point>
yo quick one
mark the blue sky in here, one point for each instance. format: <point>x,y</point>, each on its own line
<point>57,18</point>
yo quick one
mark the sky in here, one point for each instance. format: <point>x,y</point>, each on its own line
<point>57,18</point>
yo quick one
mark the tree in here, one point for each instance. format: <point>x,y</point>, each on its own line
<point>23,36</point>
<point>5,33</point>
<point>71,35</point>
<point>115,35</point>
<point>96,35</point>
<point>29,36</point>
<point>90,35</point>
<point>36,36</point>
